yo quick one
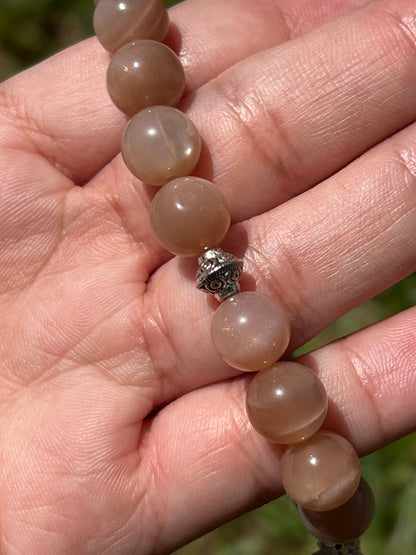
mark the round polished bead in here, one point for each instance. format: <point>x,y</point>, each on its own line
<point>322,472</point>
<point>118,22</point>
<point>189,215</point>
<point>144,73</point>
<point>250,331</point>
<point>346,523</point>
<point>159,144</point>
<point>287,402</point>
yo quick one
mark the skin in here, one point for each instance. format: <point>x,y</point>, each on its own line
<point>121,430</point>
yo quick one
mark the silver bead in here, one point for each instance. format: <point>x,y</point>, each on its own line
<point>339,549</point>
<point>219,273</point>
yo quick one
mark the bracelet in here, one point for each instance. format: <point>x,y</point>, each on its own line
<point>286,402</point>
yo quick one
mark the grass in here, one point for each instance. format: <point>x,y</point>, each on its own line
<point>31,31</point>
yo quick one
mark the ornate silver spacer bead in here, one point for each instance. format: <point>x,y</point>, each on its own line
<point>219,273</point>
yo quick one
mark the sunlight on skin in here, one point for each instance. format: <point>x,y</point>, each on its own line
<point>121,428</point>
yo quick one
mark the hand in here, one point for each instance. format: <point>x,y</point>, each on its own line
<point>121,429</point>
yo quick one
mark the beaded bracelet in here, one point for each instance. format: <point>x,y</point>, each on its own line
<point>286,402</point>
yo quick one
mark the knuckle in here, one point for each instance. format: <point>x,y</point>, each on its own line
<point>257,126</point>
<point>401,26</point>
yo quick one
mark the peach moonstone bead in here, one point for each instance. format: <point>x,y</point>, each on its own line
<point>250,331</point>
<point>144,73</point>
<point>346,523</point>
<point>118,22</point>
<point>287,402</point>
<point>322,472</point>
<point>189,215</point>
<point>159,144</point>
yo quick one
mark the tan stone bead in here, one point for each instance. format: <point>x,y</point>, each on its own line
<point>189,215</point>
<point>322,472</point>
<point>346,523</point>
<point>287,402</point>
<point>116,23</point>
<point>144,73</point>
<point>159,144</point>
<point>250,331</point>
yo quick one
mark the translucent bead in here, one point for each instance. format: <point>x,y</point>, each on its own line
<point>118,22</point>
<point>159,144</point>
<point>322,472</point>
<point>189,215</point>
<point>144,73</point>
<point>287,402</point>
<point>346,523</point>
<point>250,331</point>
<point>219,273</point>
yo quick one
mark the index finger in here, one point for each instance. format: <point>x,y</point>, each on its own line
<point>61,108</point>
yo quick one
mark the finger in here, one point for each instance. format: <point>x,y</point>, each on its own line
<point>301,111</point>
<point>67,93</point>
<point>320,254</point>
<point>237,29</point>
<point>213,465</point>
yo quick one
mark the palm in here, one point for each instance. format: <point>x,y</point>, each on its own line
<point>101,328</point>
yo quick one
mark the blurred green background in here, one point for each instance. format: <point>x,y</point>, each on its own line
<point>32,30</point>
